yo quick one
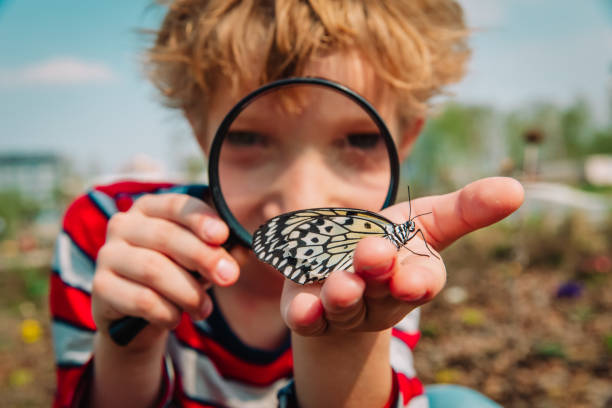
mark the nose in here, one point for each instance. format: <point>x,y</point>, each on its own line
<point>306,182</point>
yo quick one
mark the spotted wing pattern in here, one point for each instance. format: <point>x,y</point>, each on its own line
<point>307,245</point>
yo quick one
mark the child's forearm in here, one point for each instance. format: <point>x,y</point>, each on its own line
<point>125,378</point>
<point>347,370</point>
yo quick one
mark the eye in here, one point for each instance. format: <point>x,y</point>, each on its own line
<point>363,141</point>
<point>244,138</point>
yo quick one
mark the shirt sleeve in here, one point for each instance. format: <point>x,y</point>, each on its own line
<point>82,235</point>
<point>72,325</point>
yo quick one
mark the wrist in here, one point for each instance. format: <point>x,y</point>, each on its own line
<point>143,350</point>
<point>342,369</point>
<point>119,370</point>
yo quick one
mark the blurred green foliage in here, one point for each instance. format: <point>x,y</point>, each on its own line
<point>16,211</point>
<point>549,349</point>
<point>462,143</point>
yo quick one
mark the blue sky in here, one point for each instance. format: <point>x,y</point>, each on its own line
<point>70,80</point>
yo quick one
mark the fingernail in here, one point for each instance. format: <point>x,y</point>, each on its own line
<point>213,229</point>
<point>226,270</point>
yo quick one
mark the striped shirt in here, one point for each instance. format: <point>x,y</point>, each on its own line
<point>206,364</point>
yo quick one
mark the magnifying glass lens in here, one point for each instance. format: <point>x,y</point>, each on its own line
<point>302,146</point>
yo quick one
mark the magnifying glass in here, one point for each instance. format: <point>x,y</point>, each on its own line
<point>294,144</point>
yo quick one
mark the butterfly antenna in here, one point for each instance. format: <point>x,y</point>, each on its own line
<point>409,204</point>
<point>427,213</point>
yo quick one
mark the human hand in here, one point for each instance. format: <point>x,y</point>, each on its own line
<point>387,284</point>
<point>143,269</point>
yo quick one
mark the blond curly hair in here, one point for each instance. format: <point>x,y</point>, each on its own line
<point>414,46</point>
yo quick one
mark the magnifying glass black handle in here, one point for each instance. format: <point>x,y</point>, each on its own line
<point>123,330</point>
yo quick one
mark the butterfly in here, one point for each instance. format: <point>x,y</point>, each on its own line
<point>307,245</point>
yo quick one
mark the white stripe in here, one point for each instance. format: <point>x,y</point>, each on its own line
<point>71,344</point>
<point>201,380</point>
<point>410,323</point>
<point>170,371</point>
<point>105,202</point>
<point>420,401</point>
<point>401,358</point>
<point>74,267</point>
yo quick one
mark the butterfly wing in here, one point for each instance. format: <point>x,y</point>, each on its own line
<point>307,245</point>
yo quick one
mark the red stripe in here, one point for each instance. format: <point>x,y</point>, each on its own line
<point>131,187</point>
<point>69,385</point>
<point>230,366</point>
<point>409,387</point>
<point>124,203</point>
<point>70,304</point>
<point>392,401</point>
<point>187,403</point>
<point>411,339</point>
<point>86,225</point>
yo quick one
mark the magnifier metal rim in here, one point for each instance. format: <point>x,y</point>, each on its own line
<point>221,206</point>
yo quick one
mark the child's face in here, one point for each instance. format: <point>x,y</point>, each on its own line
<point>275,161</point>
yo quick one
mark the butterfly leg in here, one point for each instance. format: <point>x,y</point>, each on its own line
<point>424,240</point>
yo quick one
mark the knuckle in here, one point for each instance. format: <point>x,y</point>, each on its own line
<point>170,318</point>
<point>150,269</point>
<point>145,301</point>
<point>143,201</point>
<point>116,223</point>
<point>193,299</point>
<point>104,254</point>
<point>162,236</point>
<point>99,282</point>
<point>175,203</point>
<point>102,282</point>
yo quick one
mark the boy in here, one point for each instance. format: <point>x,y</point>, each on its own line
<point>126,248</point>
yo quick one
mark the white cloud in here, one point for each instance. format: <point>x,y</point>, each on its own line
<point>57,71</point>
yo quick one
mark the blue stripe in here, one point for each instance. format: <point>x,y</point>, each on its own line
<point>73,265</point>
<point>73,325</point>
<point>72,345</point>
<point>102,202</point>
<point>77,246</point>
<point>194,190</point>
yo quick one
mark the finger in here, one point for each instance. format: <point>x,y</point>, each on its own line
<point>187,211</point>
<point>375,262</point>
<point>477,205</point>
<point>127,298</point>
<point>157,272</point>
<point>342,298</point>
<point>302,309</point>
<point>417,279</point>
<point>158,234</point>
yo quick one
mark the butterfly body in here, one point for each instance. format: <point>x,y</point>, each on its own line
<point>307,245</point>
